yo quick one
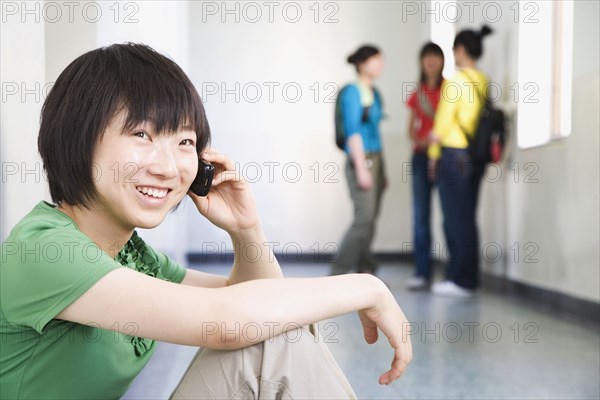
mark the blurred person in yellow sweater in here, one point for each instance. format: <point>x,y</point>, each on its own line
<point>450,162</point>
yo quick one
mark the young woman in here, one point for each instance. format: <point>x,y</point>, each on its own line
<point>460,176</point>
<point>423,104</point>
<point>82,297</point>
<point>362,111</point>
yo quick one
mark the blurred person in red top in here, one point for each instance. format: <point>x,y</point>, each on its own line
<point>423,103</point>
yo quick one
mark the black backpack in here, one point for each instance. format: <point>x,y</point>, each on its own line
<point>340,132</point>
<point>487,143</point>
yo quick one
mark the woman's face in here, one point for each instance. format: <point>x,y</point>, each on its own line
<point>372,66</point>
<point>459,55</point>
<point>140,175</point>
<point>432,65</point>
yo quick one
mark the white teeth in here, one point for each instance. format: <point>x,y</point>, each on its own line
<point>154,192</point>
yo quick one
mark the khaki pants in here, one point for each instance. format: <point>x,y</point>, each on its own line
<point>294,365</point>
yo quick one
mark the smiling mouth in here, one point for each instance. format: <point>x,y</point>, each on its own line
<point>152,191</point>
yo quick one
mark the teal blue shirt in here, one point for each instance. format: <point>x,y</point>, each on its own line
<point>353,106</point>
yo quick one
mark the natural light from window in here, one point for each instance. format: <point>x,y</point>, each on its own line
<point>545,71</point>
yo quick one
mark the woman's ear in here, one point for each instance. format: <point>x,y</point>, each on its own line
<point>458,52</point>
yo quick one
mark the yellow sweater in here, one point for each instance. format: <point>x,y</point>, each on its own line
<point>460,106</point>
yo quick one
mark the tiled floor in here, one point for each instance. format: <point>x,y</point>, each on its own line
<point>488,347</point>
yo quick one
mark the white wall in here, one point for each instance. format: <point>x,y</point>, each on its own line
<point>22,76</point>
<point>561,212</point>
<point>256,132</point>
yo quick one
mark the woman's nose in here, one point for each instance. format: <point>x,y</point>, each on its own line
<point>163,163</point>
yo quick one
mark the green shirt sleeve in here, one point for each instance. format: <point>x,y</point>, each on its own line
<point>45,272</point>
<point>169,269</point>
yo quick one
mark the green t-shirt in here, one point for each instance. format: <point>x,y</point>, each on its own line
<point>46,264</point>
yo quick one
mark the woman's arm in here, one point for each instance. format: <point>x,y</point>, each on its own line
<point>413,131</point>
<point>230,205</point>
<point>253,259</point>
<point>353,111</point>
<point>359,161</point>
<point>240,315</point>
<point>203,279</point>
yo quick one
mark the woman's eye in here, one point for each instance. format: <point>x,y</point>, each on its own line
<point>140,134</point>
<point>187,142</point>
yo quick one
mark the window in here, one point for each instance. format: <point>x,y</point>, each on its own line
<point>443,31</point>
<point>543,90</point>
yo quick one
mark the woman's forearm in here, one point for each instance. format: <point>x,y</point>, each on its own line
<point>357,152</point>
<point>269,308</point>
<point>253,257</point>
<point>226,317</point>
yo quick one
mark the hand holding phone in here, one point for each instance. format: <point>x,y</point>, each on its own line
<point>230,205</point>
<point>203,181</point>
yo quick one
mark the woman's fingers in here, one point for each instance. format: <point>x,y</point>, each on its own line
<point>214,157</point>
<point>224,176</point>
<point>388,317</point>
<point>202,203</point>
<point>399,365</point>
<point>224,167</point>
<point>370,333</point>
<point>402,357</point>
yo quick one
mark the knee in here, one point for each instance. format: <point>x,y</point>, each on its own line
<point>363,223</point>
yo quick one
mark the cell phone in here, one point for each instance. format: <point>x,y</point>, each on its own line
<point>201,184</point>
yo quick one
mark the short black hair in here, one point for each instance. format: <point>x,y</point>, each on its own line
<point>362,54</point>
<point>472,41</point>
<point>428,49</point>
<point>97,86</point>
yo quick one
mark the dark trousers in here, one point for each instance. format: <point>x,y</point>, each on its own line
<point>459,181</point>
<point>422,188</point>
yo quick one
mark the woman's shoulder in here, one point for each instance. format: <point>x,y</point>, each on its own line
<point>349,93</point>
<point>42,235</point>
<point>44,219</point>
<point>350,88</point>
<point>469,75</point>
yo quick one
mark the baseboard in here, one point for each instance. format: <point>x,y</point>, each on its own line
<point>295,257</point>
<point>287,258</point>
<point>562,305</point>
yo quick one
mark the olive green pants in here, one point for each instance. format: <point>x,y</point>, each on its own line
<point>354,253</point>
<point>294,365</point>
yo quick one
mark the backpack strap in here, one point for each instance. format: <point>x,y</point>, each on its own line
<point>480,95</point>
<point>425,103</point>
